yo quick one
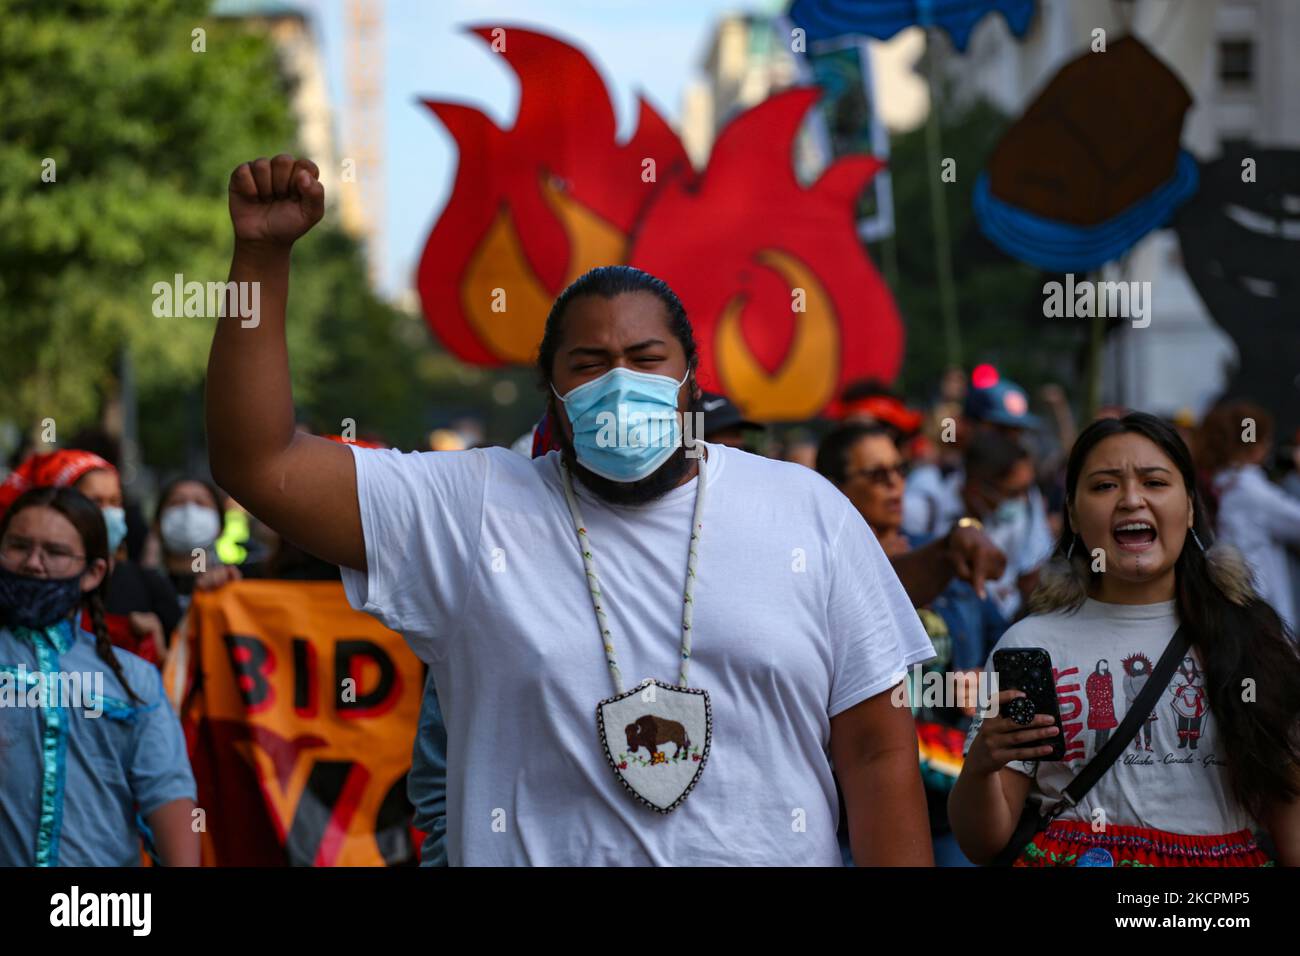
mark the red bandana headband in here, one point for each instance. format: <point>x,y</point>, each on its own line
<point>56,469</point>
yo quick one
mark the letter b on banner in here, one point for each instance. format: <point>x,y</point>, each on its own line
<point>252,660</point>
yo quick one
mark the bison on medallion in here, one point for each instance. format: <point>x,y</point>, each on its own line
<point>649,732</point>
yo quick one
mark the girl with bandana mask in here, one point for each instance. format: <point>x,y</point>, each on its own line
<point>92,475</point>
<point>141,606</point>
<point>94,755</point>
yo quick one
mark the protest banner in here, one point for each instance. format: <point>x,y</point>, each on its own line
<point>300,714</point>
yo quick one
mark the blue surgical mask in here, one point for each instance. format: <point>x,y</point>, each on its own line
<point>625,423</point>
<point>115,520</point>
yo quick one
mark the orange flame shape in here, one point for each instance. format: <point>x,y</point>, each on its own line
<point>784,300</point>
<point>786,305</point>
<point>534,207</point>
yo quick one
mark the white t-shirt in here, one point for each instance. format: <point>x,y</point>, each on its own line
<point>798,616</point>
<point>1160,781</point>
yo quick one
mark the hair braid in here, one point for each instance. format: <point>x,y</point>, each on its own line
<point>104,646</point>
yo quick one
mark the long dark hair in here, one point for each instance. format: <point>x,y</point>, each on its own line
<point>1238,642</point>
<point>89,522</point>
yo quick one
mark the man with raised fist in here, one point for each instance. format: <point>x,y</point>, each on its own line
<point>749,593</point>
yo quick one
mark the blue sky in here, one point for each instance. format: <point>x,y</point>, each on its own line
<point>652,48</point>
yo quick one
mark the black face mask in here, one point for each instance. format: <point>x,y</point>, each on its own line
<point>37,602</point>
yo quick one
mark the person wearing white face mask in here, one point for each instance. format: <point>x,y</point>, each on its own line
<point>142,596</point>
<point>188,523</point>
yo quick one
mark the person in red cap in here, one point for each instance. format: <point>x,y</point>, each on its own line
<point>54,469</point>
<point>870,401</point>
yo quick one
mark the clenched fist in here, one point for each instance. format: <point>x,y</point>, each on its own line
<point>275,201</point>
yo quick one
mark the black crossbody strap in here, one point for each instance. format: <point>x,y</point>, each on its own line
<point>1128,728</point>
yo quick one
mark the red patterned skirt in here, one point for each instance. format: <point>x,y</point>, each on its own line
<point>1073,843</point>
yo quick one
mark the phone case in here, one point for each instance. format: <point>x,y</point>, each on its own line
<point>1030,669</point>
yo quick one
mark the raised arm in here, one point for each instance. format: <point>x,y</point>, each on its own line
<point>302,486</point>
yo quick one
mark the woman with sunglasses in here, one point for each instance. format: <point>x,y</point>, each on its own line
<point>93,755</point>
<point>864,462</point>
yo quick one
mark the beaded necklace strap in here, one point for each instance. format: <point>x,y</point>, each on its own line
<point>593,580</point>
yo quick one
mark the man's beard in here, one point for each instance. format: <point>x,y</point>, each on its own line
<point>654,485</point>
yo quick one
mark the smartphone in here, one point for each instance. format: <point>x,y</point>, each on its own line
<point>1029,669</point>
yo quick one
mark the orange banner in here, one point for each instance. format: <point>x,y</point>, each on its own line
<point>300,715</point>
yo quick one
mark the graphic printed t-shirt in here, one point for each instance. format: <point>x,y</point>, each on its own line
<point>1173,776</point>
<point>798,616</point>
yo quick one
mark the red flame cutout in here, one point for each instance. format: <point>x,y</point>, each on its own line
<point>786,305</point>
<point>565,129</point>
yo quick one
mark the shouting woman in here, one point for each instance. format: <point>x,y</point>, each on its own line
<point>1131,581</point>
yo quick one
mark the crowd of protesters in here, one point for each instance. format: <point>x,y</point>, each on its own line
<point>850,560</point>
<point>910,487</point>
<point>964,469</point>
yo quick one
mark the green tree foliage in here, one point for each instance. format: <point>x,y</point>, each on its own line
<point>143,131</point>
<point>380,368</point>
